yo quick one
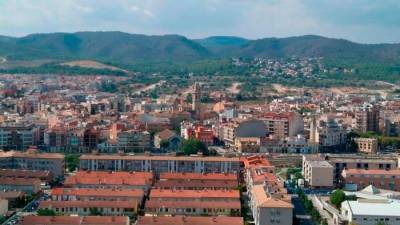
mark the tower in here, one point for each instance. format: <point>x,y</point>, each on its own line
<point>196,95</point>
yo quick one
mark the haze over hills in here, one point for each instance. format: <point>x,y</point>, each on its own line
<point>127,48</point>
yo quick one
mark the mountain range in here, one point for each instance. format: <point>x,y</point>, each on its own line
<point>130,48</point>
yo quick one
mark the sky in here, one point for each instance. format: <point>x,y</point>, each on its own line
<point>364,21</point>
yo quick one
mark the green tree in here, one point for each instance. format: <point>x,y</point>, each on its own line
<point>94,212</point>
<point>192,146</point>
<point>164,144</point>
<point>337,197</point>
<point>46,212</point>
<point>72,161</point>
<point>381,223</point>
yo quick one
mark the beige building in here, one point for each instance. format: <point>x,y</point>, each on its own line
<point>317,172</point>
<point>3,206</point>
<point>367,145</point>
<point>268,210</point>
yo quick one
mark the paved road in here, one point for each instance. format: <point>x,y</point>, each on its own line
<point>301,213</point>
<point>17,216</point>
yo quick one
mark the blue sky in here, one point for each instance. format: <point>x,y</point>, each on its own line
<point>366,21</point>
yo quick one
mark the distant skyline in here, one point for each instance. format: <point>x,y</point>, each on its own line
<point>364,21</point>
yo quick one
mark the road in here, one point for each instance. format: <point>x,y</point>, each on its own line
<point>300,212</point>
<point>17,216</point>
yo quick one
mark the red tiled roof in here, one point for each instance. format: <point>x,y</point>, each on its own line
<point>88,204</point>
<point>136,193</point>
<point>196,184</point>
<point>111,178</point>
<point>153,203</point>
<point>24,173</point>
<point>158,193</point>
<point>394,172</point>
<point>198,176</point>
<point>189,220</point>
<point>19,181</point>
<point>74,220</point>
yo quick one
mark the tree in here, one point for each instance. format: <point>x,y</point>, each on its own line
<point>192,146</point>
<point>337,197</point>
<point>94,212</point>
<point>164,144</point>
<point>46,212</point>
<point>72,161</point>
<point>380,223</point>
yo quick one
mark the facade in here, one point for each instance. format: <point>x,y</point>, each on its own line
<point>317,172</point>
<point>102,179</point>
<point>382,179</point>
<point>18,136</point>
<point>193,202</point>
<point>367,145</point>
<point>370,212</point>
<point>327,135</point>
<point>85,208</point>
<point>97,194</point>
<point>189,220</point>
<point>367,118</point>
<point>3,206</point>
<point>133,141</point>
<point>74,220</point>
<point>33,160</point>
<point>267,210</point>
<point>197,181</point>
<point>43,175</point>
<point>27,185</point>
<point>167,136</point>
<point>160,164</point>
<point>283,125</point>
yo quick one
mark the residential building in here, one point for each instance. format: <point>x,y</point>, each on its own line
<point>74,220</point>
<point>33,160</point>
<point>133,141</point>
<point>193,202</point>
<point>367,145</point>
<point>43,175</point>
<point>361,178</point>
<point>168,138</point>
<point>85,208</point>
<point>317,172</point>
<point>97,194</point>
<point>18,136</point>
<point>27,185</point>
<point>367,118</point>
<point>3,206</point>
<point>103,179</point>
<point>189,220</point>
<point>284,124</point>
<point>159,164</point>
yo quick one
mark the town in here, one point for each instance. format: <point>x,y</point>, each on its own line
<point>84,150</point>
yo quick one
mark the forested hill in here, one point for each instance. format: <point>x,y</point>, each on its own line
<point>129,48</point>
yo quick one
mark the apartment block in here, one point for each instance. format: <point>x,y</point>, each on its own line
<point>27,185</point>
<point>189,220</point>
<point>33,160</point>
<point>85,208</point>
<point>367,145</point>
<point>74,220</point>
<point>160,164</point>
<point>317,172</point>
<point>382,179</point>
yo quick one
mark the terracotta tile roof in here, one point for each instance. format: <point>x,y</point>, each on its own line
<point>110,178</point>
<point>158,193</point>
<point>198,176</point>
<point>135,193</point>
<point>88,204</point>
<point>197,184</point>
<point>160,158</point>
<point>166,134</point>
<point>19,181</point>
<point>189,220</point>
<point>263,200</point>
<point>41,174</point>
<point>74,220</point>
<point>31,154</point>
<point>394,172</point>
<point>256,161</point>
<point>153,203</point>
